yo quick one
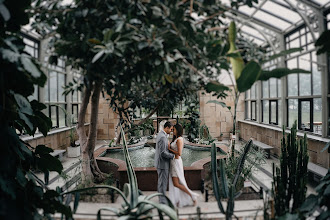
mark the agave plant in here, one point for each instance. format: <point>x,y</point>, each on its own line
<point>136,205</point>
<point>226,190</point>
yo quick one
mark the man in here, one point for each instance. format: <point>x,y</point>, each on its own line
<point>162,160</point>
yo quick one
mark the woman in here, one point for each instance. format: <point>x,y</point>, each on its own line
<point>179,192</point>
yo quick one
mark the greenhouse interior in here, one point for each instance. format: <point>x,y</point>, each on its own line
<point>165,109</point>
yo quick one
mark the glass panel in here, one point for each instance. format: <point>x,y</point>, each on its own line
<point>61,84</point>
<point>61,115</point>
<point>292,78</point>
<point>248,110</point>
<point>253,91</point>
<point>317,116</point>
<point>265,89</point>
<point>253,110</point>
<point>293,111</point>
<point>316,74</point>
<point>53,86</point>
<point>282,11</point>
<point>305,79</point>
<point>273,112</point>
<point>29,50</point>
<point>305,115</point>
<point>279,115</point>
<point>75,96</point>
<point>295,43</point>
<point>265,111</point>
<point>267,18</point>
<point>279,87</point>
<point>272,84</point>
<point>53,115</point>
<point>75,113</point>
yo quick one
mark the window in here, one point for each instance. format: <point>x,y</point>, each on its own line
<point>54,98</point>
<point>32,48</point>
<point>76,99</point>
<point>304,90</point>
<point>251,108</point>
<point>270,99</point>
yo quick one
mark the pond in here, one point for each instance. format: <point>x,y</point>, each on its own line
<point>144,157</point>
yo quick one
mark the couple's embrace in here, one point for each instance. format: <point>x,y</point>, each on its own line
<point>170,167</point>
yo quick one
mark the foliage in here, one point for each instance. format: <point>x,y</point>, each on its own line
<point>323,43</point>
<point>205,136</point>
<point>23,194</point>
<point>193,117</point>
<point>228,187</point>
<point>290,179</point>
<point>135,206</point>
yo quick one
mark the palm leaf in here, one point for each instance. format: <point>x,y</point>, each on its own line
<point>130,172</point>
<point>279,73</point>
<point>283,53</point>
<point>216,190</point>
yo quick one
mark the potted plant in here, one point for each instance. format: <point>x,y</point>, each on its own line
<point>220,137</point>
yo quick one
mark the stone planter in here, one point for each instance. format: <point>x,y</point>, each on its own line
<point>73,151</point>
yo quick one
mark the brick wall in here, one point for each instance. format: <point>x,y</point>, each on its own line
<point>217,118</point>
<point>273,136</point>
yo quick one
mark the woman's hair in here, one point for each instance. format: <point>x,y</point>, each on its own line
<point>179,131</point>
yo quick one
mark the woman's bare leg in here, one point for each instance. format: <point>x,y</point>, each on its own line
<point>177,184</point>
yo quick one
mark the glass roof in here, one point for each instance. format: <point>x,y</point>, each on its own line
<point>279,16</point>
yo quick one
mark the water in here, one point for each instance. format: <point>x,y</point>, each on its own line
<point>145,157</point>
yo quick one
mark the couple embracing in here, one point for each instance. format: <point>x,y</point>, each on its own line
<point>170,167</point>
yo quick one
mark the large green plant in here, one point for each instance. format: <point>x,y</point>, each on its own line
<point>136,205</point>
<point>246,73</point>
<point>227,189</point>
<point>22,194</point>
<point>289,184</point>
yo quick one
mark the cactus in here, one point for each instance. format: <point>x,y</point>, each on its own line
<point>289,180</point>
<point>227,190</point>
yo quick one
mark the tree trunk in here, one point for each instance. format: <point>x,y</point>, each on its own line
<point>81,131</point>
<point>90,170</point>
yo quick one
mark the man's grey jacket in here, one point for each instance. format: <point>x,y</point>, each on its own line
<point>162,155</point>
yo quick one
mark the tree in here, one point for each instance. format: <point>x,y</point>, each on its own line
<point>22,194</point>
<point>143,53</point>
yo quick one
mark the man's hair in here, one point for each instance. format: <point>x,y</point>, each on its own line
<point>168,124</point>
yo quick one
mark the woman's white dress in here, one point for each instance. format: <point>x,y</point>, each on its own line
<point>177,196</point>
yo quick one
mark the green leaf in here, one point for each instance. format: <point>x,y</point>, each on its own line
<point>26,121</point>
<point>248,76</point>
<point>323,43</point>
<point>169,78</point>
<point>215,182</point>
<point>219,103</point>
<point>23,103</point>
<point>114,210</point>
<point>30,67</point>
<point>20,177</point>
<point>98,56</point>
<point>94,41</point>
<point>4,12</point>
<point>216,87</point>
<point>42,149</point>
<point>223,179</point>
<point>325,147</point>
<point>283,53</point>
<point>279,73</point>
<point>327,190</point>
<point>309,203</point>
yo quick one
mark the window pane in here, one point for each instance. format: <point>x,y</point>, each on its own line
<point>265,111</point>
<point>305,79</point>
<point>279,87</point>
<point>292,79</point>
<point>316,73</point>
<point>253,91</point>
<point>253,110</point>
<point>293,111</point>
<point>248,109</point>
<point>279,115</point>
<point>53,116</point>
<point>61,115</point>
<point>75,96</point>
<point>273,112</point>
<point>305,115</point>
<point>53,86</point>
<point>317,116</point>
<point>61,83</point>
<point>265,89</point>
<point>272,85</point>
<point>75,113</point>
<point>247,94</point>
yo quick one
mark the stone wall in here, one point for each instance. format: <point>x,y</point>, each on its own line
<point>273,135</point>
<point>107,120</point>
<point>217,118</point>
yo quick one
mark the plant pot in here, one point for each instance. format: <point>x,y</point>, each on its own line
<point>220,138</point>
<point>73,151</point>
